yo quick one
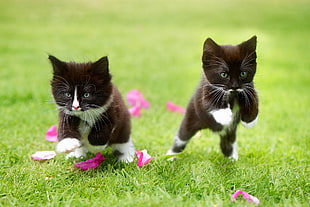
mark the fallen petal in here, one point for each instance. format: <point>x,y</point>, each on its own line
<point>132,96</point>
<point>246,196</point>
<point>51,134</point>
<point>91,163</point>
<point>135,111</point>
<point>43,155</point>
<point>135,98</point>
<point>175,108</point>
<point>143,157</point>
<point>144,103</point>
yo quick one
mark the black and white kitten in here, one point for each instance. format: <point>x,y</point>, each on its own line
<point>92,113</point>
<point>224,96</point>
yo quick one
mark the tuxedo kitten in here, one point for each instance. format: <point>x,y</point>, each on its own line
<point>92,113</point>
<point>224,96</point>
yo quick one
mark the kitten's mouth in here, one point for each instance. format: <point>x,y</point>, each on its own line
<point>76,112</point>
<point>234,92</point>
<point>72,111</point>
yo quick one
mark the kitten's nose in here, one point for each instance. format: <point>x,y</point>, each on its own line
<point>235,86</point>
<point>76,107</point>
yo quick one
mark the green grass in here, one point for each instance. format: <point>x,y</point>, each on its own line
<point>155,46</point>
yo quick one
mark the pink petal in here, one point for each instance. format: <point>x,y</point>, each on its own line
<point>144,104</point>
<point>43,155</point>
<point>91,163</point>
<point>51,134</point>
<point>174,108</point>
<point>135,111</point>
<point>246,196</point>
<point>135,98</point>
<point>143,157</point>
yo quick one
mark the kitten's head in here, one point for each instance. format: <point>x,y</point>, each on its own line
<point>78,87</point>
<point>230,67</point>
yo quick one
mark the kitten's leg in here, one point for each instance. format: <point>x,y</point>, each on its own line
<point>69,136</point>
<point>124,151</point>
<point>249,107</point>
<point>187,130</point>
<point>121,142</point>
<point>178,146</point>
<point>228,144</point>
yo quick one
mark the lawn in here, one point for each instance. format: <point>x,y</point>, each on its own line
<point>155,47</point>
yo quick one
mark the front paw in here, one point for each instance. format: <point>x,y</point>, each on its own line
<point>249,124</point>
<point>126,158</point>
<point>223,116</point>
<point>125,152</point>
<point>171,154</point>
<point>67,145</point>
<point>77,153</point>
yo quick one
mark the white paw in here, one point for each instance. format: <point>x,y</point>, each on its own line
<point>77,153</point>
<point>124,151</point>
<point>234,154</point>
<point>171,153</point>
<point>67,145</point>
<point>250,124</point>
<point>223,116</point>
<point>127,158</point>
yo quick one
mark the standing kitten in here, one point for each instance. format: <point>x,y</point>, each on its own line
<point>224,96</point>
<point>92,114</point>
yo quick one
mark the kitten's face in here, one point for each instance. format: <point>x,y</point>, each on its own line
<point>79,87</point>
<point>228,67</point>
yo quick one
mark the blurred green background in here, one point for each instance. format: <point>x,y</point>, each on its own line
<point>156,47</point>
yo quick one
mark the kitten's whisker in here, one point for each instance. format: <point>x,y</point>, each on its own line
<point>215,95</point>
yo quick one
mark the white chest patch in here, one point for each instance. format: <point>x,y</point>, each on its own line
<point>226,117</point>
<point>88,120</point>
<point>92,115</point>
<point>223,116</point>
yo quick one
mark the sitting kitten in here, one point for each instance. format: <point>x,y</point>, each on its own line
<point>224,96</point>
<point>92,113</point>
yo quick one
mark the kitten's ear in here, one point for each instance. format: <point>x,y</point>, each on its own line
<point>210,48</point>
<point>101,65</point>
<point>249,45</point>
<point>58,65</point>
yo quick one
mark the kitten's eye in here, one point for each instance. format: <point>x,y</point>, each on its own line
<point>68,95</point>
<point>243,74</point>
<point>224,75</point>
<point>86,95</point>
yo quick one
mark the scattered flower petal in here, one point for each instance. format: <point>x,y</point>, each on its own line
<point>51,134</point>
<point>135,98</point>
<point>43,155</point>
<point>135,111</point>
<point>143,157</point>
<point>246,196</point>
<point>91,163</point>
<point>174,108</point>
